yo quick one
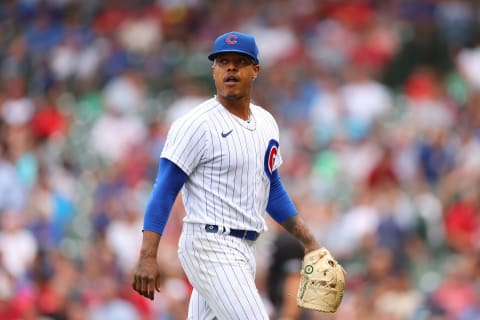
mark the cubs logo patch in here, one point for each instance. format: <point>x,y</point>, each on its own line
<point>231,39</point>
<point>270,156</point>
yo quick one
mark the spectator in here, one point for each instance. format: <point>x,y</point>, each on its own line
<point>12,192</point>
<point>114,133</point>
<point>18,247</point>
<point>462,222</point>
<point>354,78</point>
<point>17,108</point>
<point>109,304</point>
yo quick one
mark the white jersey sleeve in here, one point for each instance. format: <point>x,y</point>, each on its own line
<point>185,143</point>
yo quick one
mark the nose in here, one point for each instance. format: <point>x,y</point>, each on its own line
<point>231,66</point>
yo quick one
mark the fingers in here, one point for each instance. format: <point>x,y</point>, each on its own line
<point>147,278</point>
<point>146,285</point>
<point>158,282</point>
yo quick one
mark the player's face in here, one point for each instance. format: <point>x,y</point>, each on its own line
<point>233,74</point>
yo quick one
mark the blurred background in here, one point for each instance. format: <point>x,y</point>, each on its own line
<point>379,108</point>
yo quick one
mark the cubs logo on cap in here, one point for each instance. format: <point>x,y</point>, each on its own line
<point>235,42</point>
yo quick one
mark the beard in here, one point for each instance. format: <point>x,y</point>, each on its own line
<point>232,94</point>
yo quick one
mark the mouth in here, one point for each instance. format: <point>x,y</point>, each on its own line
<point>231,80</point>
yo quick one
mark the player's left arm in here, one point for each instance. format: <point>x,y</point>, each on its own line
<point>282,209</point>
<point>298,228</point>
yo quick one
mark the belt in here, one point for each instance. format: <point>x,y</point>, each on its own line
<point>243,234</point>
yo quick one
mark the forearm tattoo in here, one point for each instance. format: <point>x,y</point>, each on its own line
<point>297,227</point>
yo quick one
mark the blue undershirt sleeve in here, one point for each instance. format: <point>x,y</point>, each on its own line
<point>280,206</point>
<point>169,181</point>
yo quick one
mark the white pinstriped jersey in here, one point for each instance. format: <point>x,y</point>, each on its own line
<point>228,161</point>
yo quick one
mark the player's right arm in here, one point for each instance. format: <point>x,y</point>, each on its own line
<point>169,181</point>
<point>181,153</point>
<point>147,276</point>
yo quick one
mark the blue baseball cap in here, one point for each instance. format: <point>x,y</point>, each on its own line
<point>235,42</point>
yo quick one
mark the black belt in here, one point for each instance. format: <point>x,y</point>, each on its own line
<point>243,234</point>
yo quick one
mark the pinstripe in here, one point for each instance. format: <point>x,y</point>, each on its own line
<point>202,267</point>
<point>204,178</point>
<point>250,295</point>
<point>242,174</point>
<point>227,175</point>
<point>225,294</point>
<point>239,280</point>
<point>231,291</point>
<point>189,268</point>
<point>199,309</point>
<point>253,176</point>
<point>220,173</point>
<point>257,149</point>
<point>238,172</point>
<point>227,185</point>
<point>231,160</point>
<point>247,278</point>
<point>210,181</point>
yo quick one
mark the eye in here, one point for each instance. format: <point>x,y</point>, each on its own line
<point>223,61</point>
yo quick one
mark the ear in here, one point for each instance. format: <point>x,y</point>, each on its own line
<point>255,72</point>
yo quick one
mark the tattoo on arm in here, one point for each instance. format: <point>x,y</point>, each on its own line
<point>297,227</point>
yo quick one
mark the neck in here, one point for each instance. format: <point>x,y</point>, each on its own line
<point>238,107</point>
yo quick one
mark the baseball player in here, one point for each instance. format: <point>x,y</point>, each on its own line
<point>224,155</point>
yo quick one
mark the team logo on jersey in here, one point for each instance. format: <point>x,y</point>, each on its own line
<point>270,156</point>
<point>231,39</point>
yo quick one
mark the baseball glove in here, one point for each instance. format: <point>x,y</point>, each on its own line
<point>322,282</point>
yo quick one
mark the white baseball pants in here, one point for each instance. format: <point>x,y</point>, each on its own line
<point>221,268</point>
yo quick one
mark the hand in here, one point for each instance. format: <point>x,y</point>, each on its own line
<point>147,277</point>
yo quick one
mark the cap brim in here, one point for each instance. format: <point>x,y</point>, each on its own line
<point>213,55</point>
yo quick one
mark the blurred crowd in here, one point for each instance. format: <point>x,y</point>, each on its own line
<point>378,104</point>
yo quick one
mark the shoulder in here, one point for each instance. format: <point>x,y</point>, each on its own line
<point>259,111</point>
<point>198,115</point>
<point>265,118</point>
